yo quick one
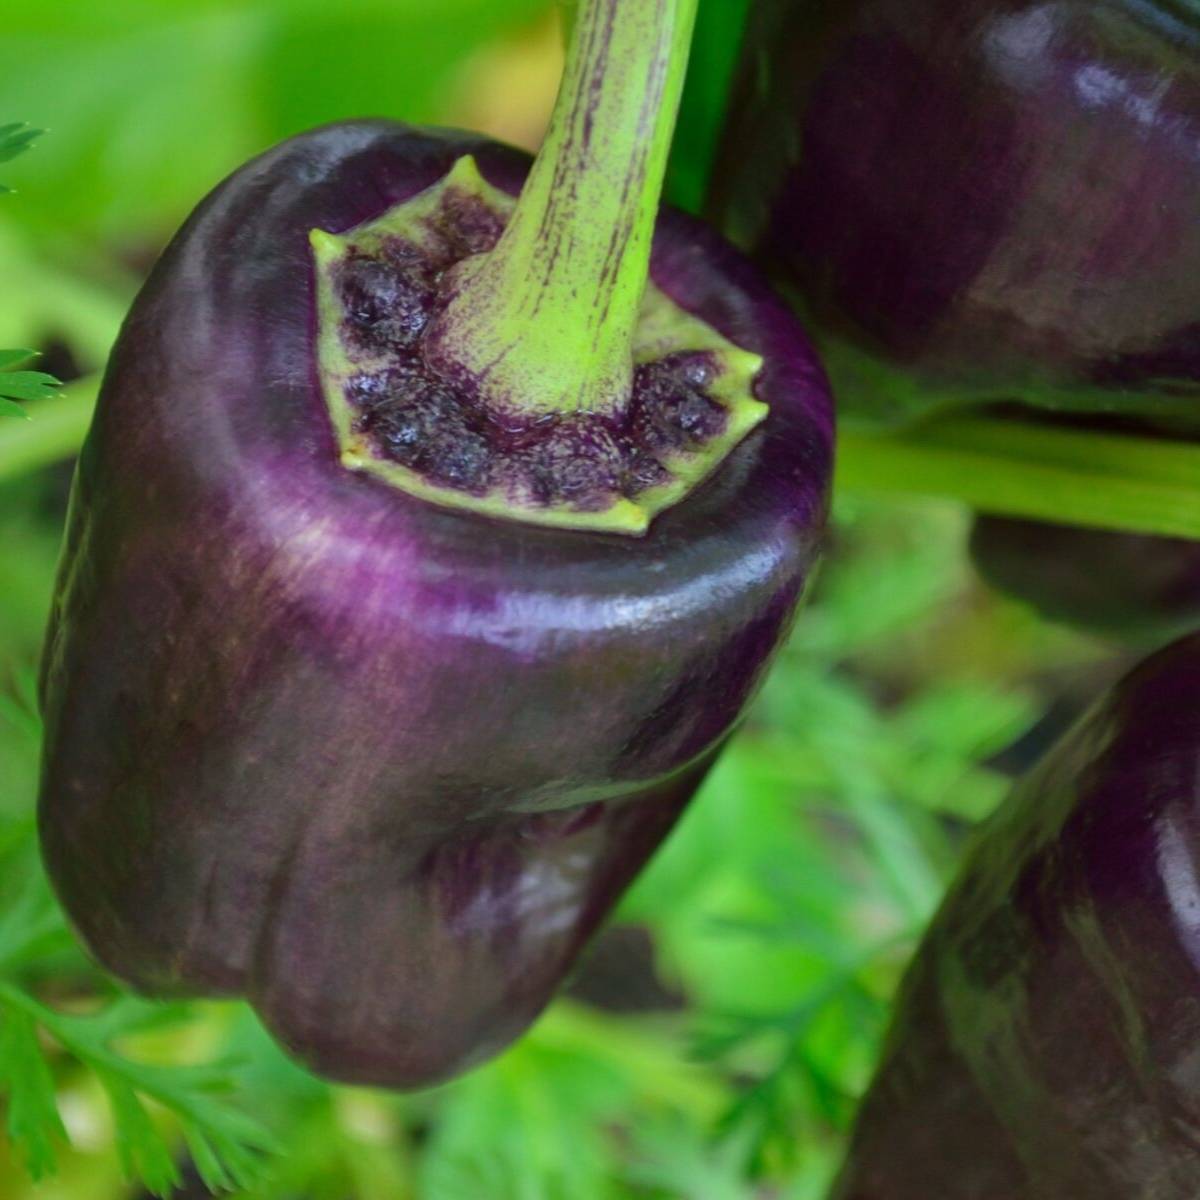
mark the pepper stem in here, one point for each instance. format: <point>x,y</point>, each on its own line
<point>544,322</point>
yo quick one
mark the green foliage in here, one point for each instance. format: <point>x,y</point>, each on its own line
<point>34,1123</point>
<point>224,1142</point>
<point>21,385</point>
<point>124,88</point>
<point>15,138</point>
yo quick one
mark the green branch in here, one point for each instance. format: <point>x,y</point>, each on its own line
<point>545,320</point>
<point>1025,469</point>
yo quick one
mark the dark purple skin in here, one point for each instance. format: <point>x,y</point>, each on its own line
<point>1123,585</point>
<point>986,198</point>
<point>379,766</point>
<point>1045,1043</point>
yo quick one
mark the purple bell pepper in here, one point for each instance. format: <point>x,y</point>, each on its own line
<point>1045,1038</point>
<point>978,199</point>
<point>329,727</point>
<point>1123,585</point>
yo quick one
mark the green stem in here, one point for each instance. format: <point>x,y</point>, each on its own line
<point>568,11</point>
<point>54,431</point>
<point>1025,469</point>
<point>712,66</point>
<point>545,320</point>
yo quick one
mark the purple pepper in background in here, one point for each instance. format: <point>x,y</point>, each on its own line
<point>380,765</point>
<point>1136,588</point>
<point>1116,584</point>
<point>978,200</point>
<point>1045,1040</point>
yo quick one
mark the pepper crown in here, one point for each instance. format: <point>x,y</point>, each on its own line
<point>512,357</point>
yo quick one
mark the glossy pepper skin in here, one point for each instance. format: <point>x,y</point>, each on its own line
<point>379,765</point>
<point>1124,585</point>
<point>1045,1038</point>
<point>978,199</point>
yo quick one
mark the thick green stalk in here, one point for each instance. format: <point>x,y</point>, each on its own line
<point>1027,469</point>
<point>544,322</point>
<point>711,69</point>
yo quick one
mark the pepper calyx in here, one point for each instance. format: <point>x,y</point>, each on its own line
<point>401,417</point>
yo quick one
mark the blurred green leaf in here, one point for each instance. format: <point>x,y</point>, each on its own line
<point>15,138</point>
<point>22,385</point>
<point>534,1125</point>
<point>54,432</point>
<point>34,1124</point>
<point>143,1153</point>
<point>125,88</point>
<point>33,934</point>
<point>19,710</point>
<point>671,1158</point>
<point>227,1145</point>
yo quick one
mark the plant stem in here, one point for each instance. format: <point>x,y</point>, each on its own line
<point>54,431</point>
<point>544,321</point>
<point>710,80</point>
<point>1025,469</point>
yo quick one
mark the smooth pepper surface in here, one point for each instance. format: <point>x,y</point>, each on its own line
<point>978,199</point>
<point>1045,1038</point>
<point>379,765</point>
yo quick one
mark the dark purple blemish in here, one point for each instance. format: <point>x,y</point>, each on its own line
<point>387,300</point>
<point>669,412</point>
<point>416,421</point>
<point>573,462</point>
<point>467,224</point>
<point>412,416</point>
<point>642,472</point>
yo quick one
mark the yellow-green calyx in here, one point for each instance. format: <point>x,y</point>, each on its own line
<point>512,358</point>
<point>663,329</point>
